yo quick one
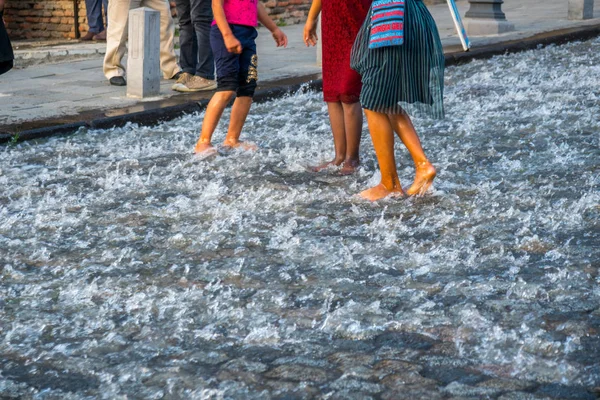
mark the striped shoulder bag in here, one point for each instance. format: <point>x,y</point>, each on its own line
<point>387,23</point>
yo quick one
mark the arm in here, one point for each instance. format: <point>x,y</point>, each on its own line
<point>233,45</point>
<point>310,28</point>
<point>278,35</point>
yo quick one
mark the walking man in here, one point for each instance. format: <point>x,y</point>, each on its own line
<point>118,14</point>
<point>196,57</point>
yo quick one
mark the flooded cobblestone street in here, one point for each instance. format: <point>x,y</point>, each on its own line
<point>129,268</point>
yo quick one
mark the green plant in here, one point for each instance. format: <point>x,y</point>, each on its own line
<point>281,22</point>
<point>14,139</point>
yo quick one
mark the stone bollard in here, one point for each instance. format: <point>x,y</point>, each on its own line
<point>485,17</point>
<point>143,60</point>
<point>581,9</point>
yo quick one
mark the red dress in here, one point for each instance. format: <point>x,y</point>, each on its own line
<point>340,22</point>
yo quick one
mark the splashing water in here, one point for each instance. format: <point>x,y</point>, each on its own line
<point>131,269</point>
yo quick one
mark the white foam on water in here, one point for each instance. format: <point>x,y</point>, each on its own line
<point>122,245</point>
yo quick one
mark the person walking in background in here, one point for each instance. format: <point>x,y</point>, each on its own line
<point>396,78</point>
<point>95,19</point>
<point>233,41</point>
<point>196,58</point>
<point>118,16</point>
<point>6,52</point>
<point>341,20</point>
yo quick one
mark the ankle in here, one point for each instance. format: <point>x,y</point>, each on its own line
<point>353,161</point>
<point>338,160</point>
<point>392,186</point>
<point>423,164</point>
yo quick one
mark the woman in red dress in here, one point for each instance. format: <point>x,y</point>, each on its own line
<point>340,23</point>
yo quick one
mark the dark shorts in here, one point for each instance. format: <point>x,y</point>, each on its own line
<point>236,72</point>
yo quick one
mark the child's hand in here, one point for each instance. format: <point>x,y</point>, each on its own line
<point>310,33</point>
<point>232,44</point>
<point>280,37</point>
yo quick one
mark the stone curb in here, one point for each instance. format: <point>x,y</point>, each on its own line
<point>47,55</point>
<point>154,116</point>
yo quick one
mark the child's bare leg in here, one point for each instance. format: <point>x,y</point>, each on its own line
<point>336,119</point>
<point>214,110</point>
<point>383,142</point>
<point>239,112</point>
<point>353,126</point>
<point>424,170</point>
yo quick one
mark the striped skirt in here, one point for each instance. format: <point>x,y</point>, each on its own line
<point>409,77</point>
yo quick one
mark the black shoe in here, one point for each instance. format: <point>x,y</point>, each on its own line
<point>117,81</point>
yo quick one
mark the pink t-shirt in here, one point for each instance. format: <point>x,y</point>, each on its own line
<point>241,12</point>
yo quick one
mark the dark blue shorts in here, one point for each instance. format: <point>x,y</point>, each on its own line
<point>236,72</point>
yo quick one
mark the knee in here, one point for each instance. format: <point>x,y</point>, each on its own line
<point>352,108</point>
<point>224,96</point>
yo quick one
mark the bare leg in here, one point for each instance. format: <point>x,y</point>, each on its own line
<point>383,142</point>
<point>336,119</point>
<point>353,127</point>
<point>424,170</point>
<point>214,110</point>
<point>239,112</point>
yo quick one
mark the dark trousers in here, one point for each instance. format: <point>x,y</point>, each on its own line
<point>6,51</point>
<point>195,18</point>
<point>94,14</point>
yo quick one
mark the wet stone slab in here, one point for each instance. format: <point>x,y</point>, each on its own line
<point>130,268</point>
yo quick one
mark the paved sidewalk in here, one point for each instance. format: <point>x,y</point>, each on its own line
<point>59,83</point>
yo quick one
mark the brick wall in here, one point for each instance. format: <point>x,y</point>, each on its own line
<point>49,19</point>
<point>288,11</point>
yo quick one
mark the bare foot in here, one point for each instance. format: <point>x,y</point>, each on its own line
<point>379,192</point>
<point>424,176</point>
<point>325,165</point>
<point>246,146</point>
<point>204,149</point>
<point>349,167</point>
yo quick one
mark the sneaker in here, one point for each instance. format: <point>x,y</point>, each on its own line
<point>196,84</point>
<point>183,78</point>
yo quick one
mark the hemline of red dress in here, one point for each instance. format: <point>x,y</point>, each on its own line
<point>340,22</point>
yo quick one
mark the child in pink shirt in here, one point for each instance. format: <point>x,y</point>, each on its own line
<point>232,39</point>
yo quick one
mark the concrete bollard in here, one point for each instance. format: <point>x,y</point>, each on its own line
<point>485,17</point>
<point>581,9</point>
<point>143,60</point>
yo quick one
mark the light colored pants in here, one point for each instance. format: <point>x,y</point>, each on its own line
<point>116,36</point>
